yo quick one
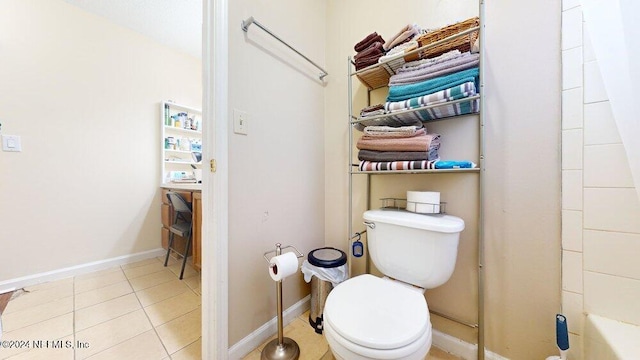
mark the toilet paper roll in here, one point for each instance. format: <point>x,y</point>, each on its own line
<point>282,266</point>
<point>424,202</point>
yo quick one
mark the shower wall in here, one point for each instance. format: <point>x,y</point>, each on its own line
<point>600,206</point>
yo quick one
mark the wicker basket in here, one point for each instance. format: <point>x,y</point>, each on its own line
<point>462,43</point>
<point>375,77</point>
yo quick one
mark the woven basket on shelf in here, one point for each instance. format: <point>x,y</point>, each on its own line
<point>462,43</point>
<point>375,77</point>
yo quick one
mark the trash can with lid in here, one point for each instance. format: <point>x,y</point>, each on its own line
<point>324,268</point>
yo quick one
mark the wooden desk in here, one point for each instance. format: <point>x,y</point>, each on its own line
<point>191,193</point>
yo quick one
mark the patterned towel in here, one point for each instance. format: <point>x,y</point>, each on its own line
<point>388,132</point>
<point>405,92</point>
<point>396,165</point>
<point>440,98</point>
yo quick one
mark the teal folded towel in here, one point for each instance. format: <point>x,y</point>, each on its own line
<point>404,92</point>
<point>454,164</point>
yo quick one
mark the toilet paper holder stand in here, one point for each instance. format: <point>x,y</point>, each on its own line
<point>278,251</point>
<point>281,348</point>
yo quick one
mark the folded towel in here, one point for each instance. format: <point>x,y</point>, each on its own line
<point>394,57</point>
<point>371,108</point>
<point>443,110</point>
<point>379,132</point>
<point>414,65</point>
<point>372,113</point>
<point>368,40</point>
<point>438,69</point>
<point>395,165</point>
<point>454,164</point>
<point>370,155</point>
<point>453,93</point>
<point>373,49</point>
<point>405,34</point>
<point>404,92</point>
<point>424,143</point>
<point>365,62</point>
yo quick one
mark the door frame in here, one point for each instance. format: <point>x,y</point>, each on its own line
<point>215,224</point>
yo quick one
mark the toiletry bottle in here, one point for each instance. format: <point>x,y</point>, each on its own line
<point>167,119</point>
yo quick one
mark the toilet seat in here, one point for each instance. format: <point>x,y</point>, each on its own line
<point>371,314</point>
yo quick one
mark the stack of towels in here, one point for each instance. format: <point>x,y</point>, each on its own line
<point>369,50</point>
<point>373,49</point>
<point>387,148</point>
<point>448,77</point>
<point>394,137</point>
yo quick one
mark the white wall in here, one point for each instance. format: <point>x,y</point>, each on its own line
<point>522,221</point>
<point>600,208</point>
<point>84,96</point>
<point>276,172</point>
<point>522,203</point>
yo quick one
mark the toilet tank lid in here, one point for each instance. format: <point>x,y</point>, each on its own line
<point>438,222</point>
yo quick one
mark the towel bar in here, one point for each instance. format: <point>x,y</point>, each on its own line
<point>251,20</point>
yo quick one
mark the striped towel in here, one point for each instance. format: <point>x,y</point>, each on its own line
<point>396,165</point>
<point>440,98</point>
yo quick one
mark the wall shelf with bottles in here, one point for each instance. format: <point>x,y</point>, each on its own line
<point>181,137</point>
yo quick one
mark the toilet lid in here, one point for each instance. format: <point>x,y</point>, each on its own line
<point>377,313</point>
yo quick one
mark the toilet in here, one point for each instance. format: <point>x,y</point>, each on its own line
<point>369,317</point>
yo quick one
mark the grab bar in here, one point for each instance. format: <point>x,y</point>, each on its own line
<point>251,20</point>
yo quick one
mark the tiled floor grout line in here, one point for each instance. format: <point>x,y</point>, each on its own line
<point>155,330</point>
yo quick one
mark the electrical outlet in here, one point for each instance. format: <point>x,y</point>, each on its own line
<point>240,122</point>
<point>11,143</point>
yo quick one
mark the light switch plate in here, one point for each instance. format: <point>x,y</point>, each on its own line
<point>240,122</point>
<point>11,143</point>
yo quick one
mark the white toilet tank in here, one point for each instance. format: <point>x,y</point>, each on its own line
<point>414,248</point>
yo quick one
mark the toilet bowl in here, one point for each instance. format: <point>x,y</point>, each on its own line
<point>367,317</point>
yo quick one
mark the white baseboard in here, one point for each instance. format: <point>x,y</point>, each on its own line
<point>256,338</point>
<point>460,348</point>
<point>29,280</point>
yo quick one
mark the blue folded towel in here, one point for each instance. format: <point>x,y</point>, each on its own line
<point>454,164</point>
<point>404,92</point>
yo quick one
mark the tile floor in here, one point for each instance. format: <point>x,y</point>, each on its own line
<point>135,311</point>
<point>138,311</point>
